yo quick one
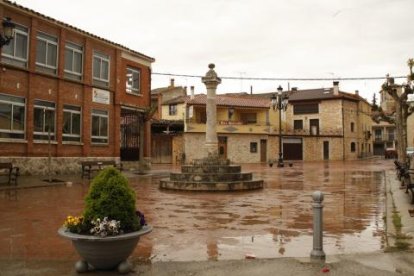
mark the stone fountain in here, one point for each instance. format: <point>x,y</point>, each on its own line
<point>211,173</point>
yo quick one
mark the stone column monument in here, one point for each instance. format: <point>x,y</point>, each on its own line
<point>211,81</point>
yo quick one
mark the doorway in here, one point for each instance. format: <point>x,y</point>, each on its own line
<point>222,147</point>
<point>131,125</point>
<point>325,150</point>
<point>263,150</point>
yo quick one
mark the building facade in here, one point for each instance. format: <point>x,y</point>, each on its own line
<point>327,124</point>
<point>69,95</point>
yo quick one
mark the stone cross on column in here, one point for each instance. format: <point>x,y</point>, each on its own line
<point>211,81</point>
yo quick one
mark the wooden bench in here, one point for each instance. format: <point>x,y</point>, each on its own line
<point>88,167</point>
<point>7,169</point>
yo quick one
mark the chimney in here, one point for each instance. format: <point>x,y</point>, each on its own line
<point>185,90</point>
<point>171,82</point>
<point>251,89</point>
<point>294,89</point>
<point>192,92</point>
<point>357,92</point>
<point>336,88</point>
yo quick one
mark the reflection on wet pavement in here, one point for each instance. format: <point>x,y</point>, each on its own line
<point>273,222</point>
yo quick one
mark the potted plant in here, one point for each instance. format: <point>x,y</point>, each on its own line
<point>110,227</point>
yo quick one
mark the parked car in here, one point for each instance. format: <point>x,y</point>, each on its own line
<point>390,153</point>
<point>410,151</point>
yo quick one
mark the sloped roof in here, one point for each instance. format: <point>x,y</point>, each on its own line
<point>226,100</point>
<point>19,7</point>
<point>315,94</point>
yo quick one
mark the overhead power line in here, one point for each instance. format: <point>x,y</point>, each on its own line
<point>281,79</point>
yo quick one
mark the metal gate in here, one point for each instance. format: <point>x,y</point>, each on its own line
<point>130,134</point>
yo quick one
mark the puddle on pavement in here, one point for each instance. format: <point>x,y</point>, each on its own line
<point>274,222</point>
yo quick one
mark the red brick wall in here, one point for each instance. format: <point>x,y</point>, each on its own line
<point>28,83</point>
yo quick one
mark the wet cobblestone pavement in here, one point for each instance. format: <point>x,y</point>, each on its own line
<point>189,226</point>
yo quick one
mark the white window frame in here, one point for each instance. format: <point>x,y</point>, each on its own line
<point>74,48</point>
<point>45,132</point>
<point>22,30</point>
<point>103,58</point>
<point>72,109</point>
<point>43,37</point>
<point>99,113</point>
<point>14,103</point>
<point>129,88</point>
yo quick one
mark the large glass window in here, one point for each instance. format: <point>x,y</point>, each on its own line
<point>44,120</point>
<point>73,61</point>
<point>16,51</point>
<point>46,53</point>
<point>100,69</point>
<point>133,81</point>
<point>71,123</point>
<point>99,126</point>
<point>12,117</point>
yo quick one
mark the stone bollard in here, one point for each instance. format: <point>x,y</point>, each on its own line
<point>317,251</point>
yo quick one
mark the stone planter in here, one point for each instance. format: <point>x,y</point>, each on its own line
<point>104,253</point>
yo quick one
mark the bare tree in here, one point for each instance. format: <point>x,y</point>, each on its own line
<point>400,92</point>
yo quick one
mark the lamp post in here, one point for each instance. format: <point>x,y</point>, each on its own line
<point>8,31</point>
<point>280,103</point>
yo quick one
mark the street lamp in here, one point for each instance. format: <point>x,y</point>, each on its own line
<point>8,31</point>
<point>280,103</point>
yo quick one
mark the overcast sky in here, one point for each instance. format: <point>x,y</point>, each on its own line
<point>254,38</point>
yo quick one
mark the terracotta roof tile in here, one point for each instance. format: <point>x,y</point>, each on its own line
<point>221,100</point>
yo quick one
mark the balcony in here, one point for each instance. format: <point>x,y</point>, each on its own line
<point>224,126</point>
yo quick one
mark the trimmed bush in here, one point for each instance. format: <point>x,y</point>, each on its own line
<point>110,196</point>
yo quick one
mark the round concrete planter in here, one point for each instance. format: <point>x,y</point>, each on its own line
<point>104,253</point>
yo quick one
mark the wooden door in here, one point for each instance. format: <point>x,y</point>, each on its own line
<point>222,147</point>
<point>325,150</point>
<point>161,149</point>
<point>292,149</point>
<point>263,150</point>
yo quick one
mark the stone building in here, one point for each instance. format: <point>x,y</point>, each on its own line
<point>327,124</point>
<point>69,94</point>
<point>243,128</point>
<point>319,124</point>
<point>167,123</point>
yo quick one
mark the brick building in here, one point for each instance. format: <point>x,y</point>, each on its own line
<point>69,94</point>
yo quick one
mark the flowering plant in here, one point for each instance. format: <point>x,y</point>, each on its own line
<point>73,224</point>
<point>105,227</point>
<point>110,207</point>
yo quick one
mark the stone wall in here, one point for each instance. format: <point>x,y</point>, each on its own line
<point>59,165</point>
<point>313,148</point>
<point>238,147</point>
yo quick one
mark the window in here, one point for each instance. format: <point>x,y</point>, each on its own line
<point>100,69</point>
<point>99,126</point>
<point>353,147</point>
<point>133,81</point>
<point>71,123</point>
<point>172,109</point>
<point>297,124</point>
<point>12,117</point>
<point>44,120</point>
<point>391,134</point>
<point>17,51</point>
<point>46,53</point>
<point>73,61</point>
<point>308,108</point>
<point>253,147</point>
<point>248,118</point>
<point>352,127</point>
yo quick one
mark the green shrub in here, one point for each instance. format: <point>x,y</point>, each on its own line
<point>110,196</point>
